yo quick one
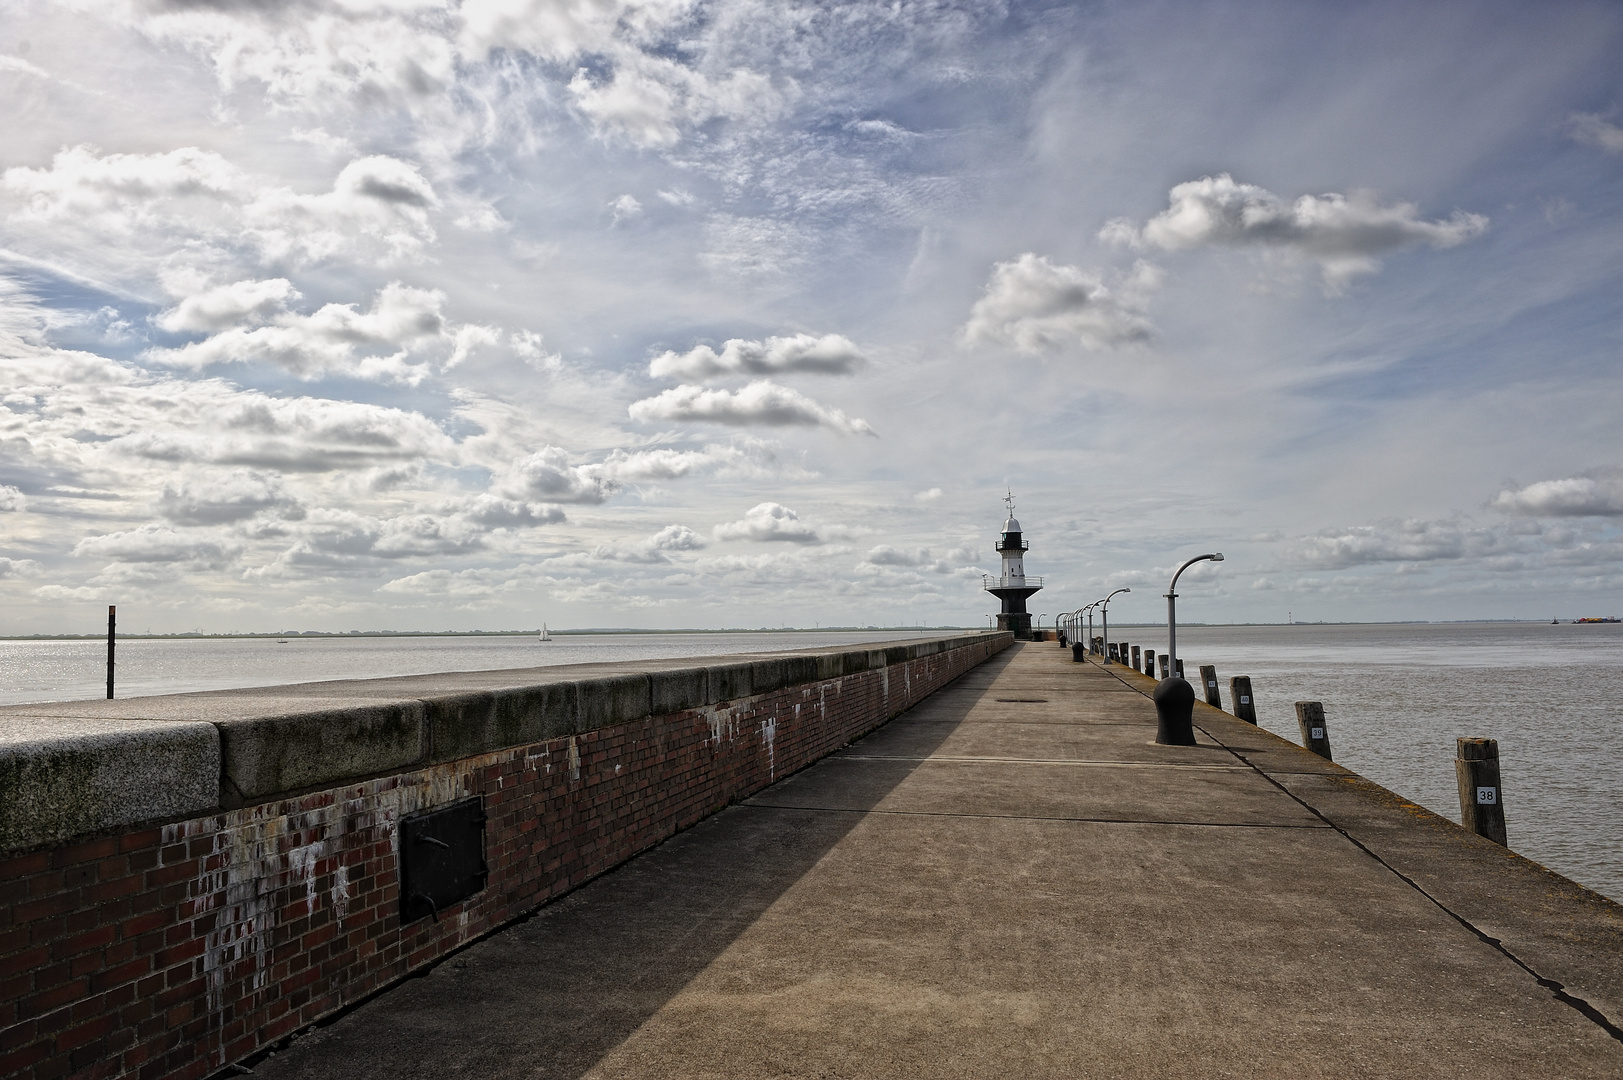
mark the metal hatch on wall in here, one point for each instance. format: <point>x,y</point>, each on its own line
<point>442,858</point>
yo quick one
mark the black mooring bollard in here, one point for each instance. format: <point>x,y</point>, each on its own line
<point>1315,735</point>
<point>1208,682</point>
<point>1122,653</point>
<point>1175,713</point>
<point>1180,667</point>
<point>1477,769</point>
<point>1149,662</point>
<point>1240,696</point>
<point>1079,652</point>
<point>1166,666</point>
<point>1138,664</point>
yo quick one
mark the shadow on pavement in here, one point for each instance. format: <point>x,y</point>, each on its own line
<point>550,996</point>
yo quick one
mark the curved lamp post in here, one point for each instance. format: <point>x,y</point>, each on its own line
<point>1172,611</point>
<point>1104,613</point>
<point>1089,610</point>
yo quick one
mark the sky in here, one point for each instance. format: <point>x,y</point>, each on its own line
<point>435,315</point>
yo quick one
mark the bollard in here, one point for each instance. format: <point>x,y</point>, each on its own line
<point>1079,652</point>
<point>1149,662</point>
<point>1166,667</point>
<point>1482,809</point>
<point>112,618</point>
<point>1122,653</point>
<point>1180,667</point>
<point>1240,695</point>
<point>1174,713</point>
<point>1111,657</point>
<point>1315,735</point>
<point>1062,641</point>
<point>1208,679</point>
<point>1138,665</point>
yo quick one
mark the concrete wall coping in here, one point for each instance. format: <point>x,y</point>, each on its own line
<point>77,767</point>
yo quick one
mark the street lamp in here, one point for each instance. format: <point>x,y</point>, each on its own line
<point>1089,610</point>
<point>1172,611</point>
<point>1104,614</point>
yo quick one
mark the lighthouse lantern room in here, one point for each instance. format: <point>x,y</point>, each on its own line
<point>1012,587</point>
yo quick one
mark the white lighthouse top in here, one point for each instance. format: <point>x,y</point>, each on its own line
<point>1011,526</point>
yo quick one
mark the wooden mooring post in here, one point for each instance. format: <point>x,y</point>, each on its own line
<point>1482,809</point>
<point>112,623</point>
<point>1240,698</point>
<point>1208,682</point>
<point>1315,735</point>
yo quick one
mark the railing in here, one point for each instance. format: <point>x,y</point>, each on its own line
<point>1007,582</point>
<point>1018,545</point>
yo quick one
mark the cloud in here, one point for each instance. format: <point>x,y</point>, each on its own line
<point>284,434</point>
<point>1596,493</point>
<point>202,207</point>
<point>1410,540</point>
<point>548,474</point>
<point>769,521</point>
<point>385,342</point>
<point>625,208</point>
<point>927,495</point>
<point>830,354</point>
<point>1593,129</point>
<point>1342,233</point>
<point>230,305</point>
<point>494,513</point>
<point>12,500</point>
<point>649,100</point>
<point>655,548</point>
<point>236,497</point>
<point>18,568</point>
<point>759,403</point>
<point>1035,306</point>
<point>155,543</point>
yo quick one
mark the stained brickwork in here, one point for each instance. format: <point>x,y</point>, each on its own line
<point>172,951</point>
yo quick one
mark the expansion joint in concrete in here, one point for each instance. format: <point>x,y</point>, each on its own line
<point>1032,817</point>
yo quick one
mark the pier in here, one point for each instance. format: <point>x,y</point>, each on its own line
<point>1007,878</point>
<point>1011,879</point>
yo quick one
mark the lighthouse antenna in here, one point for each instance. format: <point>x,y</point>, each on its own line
<point>1008,500</point>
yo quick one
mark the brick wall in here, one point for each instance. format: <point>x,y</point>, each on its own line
<point>172,951</point>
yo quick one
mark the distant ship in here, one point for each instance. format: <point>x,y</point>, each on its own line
<point>544,636</point>
<point>1608,619</point>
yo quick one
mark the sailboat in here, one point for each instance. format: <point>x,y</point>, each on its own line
<point>544,635</point>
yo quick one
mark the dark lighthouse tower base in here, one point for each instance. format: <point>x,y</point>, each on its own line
<point>1012,587</point>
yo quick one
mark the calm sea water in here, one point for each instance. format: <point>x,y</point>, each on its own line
<point>69,670</point>
<point>1395,697</point>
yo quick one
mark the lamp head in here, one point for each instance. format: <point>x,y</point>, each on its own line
<point>1218,557</point>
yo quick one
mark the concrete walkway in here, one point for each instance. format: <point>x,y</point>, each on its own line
<point>1012,880</point>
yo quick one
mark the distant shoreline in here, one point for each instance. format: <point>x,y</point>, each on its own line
<point>620,631</point>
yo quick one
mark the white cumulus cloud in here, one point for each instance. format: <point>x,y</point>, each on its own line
<point>1035,305</point>
<point>1597,493</point>
<point>830,354</point>
<point>1343,233</point>
<point>769,521</point>
<point>760,403</point>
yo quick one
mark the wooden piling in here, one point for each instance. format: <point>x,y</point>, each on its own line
<point>1138,663</point>
<point>1482,809</point>
<point>1315,734</point>
<point>112,625</point>
<point>1240,698</point>
<point>1208,682</point>
<point>1166,665</point>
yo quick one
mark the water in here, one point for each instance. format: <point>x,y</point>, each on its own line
<point>70,670</point>
<point>1396,697</point>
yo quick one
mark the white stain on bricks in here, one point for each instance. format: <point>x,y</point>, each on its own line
<point>769,737</point>
<point>340,891</point>
<point>722,721</point>
<point>574,761</point>
<point>252,867</point>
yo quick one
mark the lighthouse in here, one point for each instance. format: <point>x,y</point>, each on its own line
<point>1012,587</point>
